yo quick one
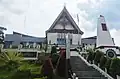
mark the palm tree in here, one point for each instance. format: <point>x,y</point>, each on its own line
<point>9,57</point>
<point>9,62</point>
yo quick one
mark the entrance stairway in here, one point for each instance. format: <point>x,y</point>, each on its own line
<point>83,71</point>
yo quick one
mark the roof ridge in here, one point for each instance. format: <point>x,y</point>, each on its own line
<point>64,10</point>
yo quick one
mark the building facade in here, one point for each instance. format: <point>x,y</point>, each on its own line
<point>63,25</point>
<point>16,39</point>
<point>90,42</point>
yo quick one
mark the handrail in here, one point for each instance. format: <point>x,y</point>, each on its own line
<point>96,67</point>
<point>102,72</point>
<point>73,76</point>
<point>85,60</point>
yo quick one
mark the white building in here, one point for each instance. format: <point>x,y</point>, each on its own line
<point>64,24</point>
<point>104,40</point>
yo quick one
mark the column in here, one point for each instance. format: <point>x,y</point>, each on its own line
<point>67,55</point>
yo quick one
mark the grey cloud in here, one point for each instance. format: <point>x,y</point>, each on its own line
<point>109,8</point>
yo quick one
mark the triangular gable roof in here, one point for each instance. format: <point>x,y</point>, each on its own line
<point>64,11</point>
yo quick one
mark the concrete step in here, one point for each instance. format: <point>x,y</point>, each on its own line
<point>88,74</point>
<point>78,64</point>
<point>92,78</point>
<point>83,71</point>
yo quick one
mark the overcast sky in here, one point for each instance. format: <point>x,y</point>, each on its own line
<point>40,14</point>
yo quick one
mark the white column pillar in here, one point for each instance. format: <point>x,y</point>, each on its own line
<point>68,46</point>
<point>34,45</point>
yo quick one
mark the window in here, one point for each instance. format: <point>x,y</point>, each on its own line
<point>62,35</point>
<point>70,41</point>
<point>70,36</point>
<point>58,35</point>
<point>104,28</point>
<point>49,41</point>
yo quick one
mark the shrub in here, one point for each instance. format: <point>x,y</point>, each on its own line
<point>53,50</point>
<point>98,55</point>
<point>23,74</point>
<point>61,66</point>
<point>103,60</point>
<point>107,64</point>
<point>115,67</point>
<point>54,59</point>
<point>84,55</point>
<point>91,54</point>
<point>14,46</point>
<point>47,69</point>
<point>90,57</point>
<point>94,54</point>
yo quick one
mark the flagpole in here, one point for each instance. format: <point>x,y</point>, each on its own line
<point>24,21</point>
<point>78,30</point>
<point>25,16</point>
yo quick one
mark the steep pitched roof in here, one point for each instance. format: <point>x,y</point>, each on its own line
<point>65,12</point>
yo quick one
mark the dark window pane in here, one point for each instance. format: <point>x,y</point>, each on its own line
<point>29,54</point>
<point>104,28</point>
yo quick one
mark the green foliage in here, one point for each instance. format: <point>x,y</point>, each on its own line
<point>6,74</point>
<point>94,54</point>
<point>47,68</point>
<point>103,60</point>
<point>12,66</point>
<point>23,74</point>
<point>54,59</point>
<point>9,61</point>
<point>41,78</point>
<point>53,50</point>
<point>84,55</point>
<point>91,54</point>
<point>115,66</point>
<point>14,46</point>
<point>107,64</point>
<point>8,57</point>
<point>98,55</point>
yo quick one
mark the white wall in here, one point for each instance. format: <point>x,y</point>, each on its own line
<point>52,37</point>
<point>76,38</point>
<point>103,37</point>
<point>69,27</point>
<point>105,49</point>
<point>58,26</point>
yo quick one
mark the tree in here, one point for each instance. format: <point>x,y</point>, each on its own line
<point>91,53</point>
<point>12,66</point>
<point>53,50</point>
<point>10,57</point>
<point>103,60</point>
<point>54,58</point>
<point>47,69</point>
<point>107,64</point>
<point>115,67</point>
<point>9,62</point>
<point>2,35</point>
<point>98,55</point>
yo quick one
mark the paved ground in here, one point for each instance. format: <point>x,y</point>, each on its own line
<point>74,53</point>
